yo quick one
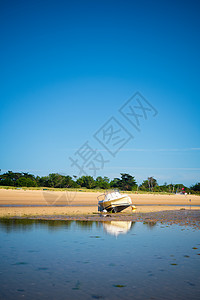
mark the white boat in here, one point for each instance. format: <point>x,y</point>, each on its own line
<point>113,202</point>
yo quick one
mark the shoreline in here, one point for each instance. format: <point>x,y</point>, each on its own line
<point>65,205</point>
<point>185,218</point>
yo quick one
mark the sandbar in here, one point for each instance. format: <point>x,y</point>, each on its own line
<point>24,203</point>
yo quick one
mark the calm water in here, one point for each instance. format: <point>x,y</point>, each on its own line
<point>93,260</point>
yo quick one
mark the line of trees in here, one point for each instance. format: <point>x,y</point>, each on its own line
<point>127,182</point>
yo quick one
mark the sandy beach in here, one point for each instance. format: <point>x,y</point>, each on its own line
<point>24,203</point>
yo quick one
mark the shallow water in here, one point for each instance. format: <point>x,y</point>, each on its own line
<point>98,260</point>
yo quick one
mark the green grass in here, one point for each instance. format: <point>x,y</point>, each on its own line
<point>51,189</point>
<point>83,190</point>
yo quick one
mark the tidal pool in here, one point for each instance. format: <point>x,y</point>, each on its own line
<point>98,260</point>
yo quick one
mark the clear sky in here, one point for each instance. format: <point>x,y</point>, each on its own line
<point>66,69</point>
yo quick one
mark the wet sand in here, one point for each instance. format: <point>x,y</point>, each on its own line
<point>183,217</point>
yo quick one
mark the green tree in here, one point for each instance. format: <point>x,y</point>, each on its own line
<point>144,186</point>
<point>115,183</point>
<point>44,181</point>
<point>102,183</point>
<point>149,184</point>
<point>23,181</point>
<point>86,181</point>
<point>180,187</point>
<point>196,187</point>
<point>13,179</point>
<point>55,180</point>
<point>152,182</point>
<point>68,182</point>
<point>127,182</point>
<point>6,181</point>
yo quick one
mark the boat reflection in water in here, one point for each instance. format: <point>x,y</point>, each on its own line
<point>117,227</point>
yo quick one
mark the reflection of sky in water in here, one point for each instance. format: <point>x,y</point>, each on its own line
<point>82,260</point>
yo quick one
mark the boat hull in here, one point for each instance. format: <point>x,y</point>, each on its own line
<point>116,205</point>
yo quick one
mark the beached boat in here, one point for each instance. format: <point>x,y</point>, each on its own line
<point>113,202</point>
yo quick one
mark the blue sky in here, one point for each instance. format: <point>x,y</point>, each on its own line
<point>67,67</point>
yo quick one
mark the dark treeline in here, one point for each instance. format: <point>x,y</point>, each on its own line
<point>126,183</point>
